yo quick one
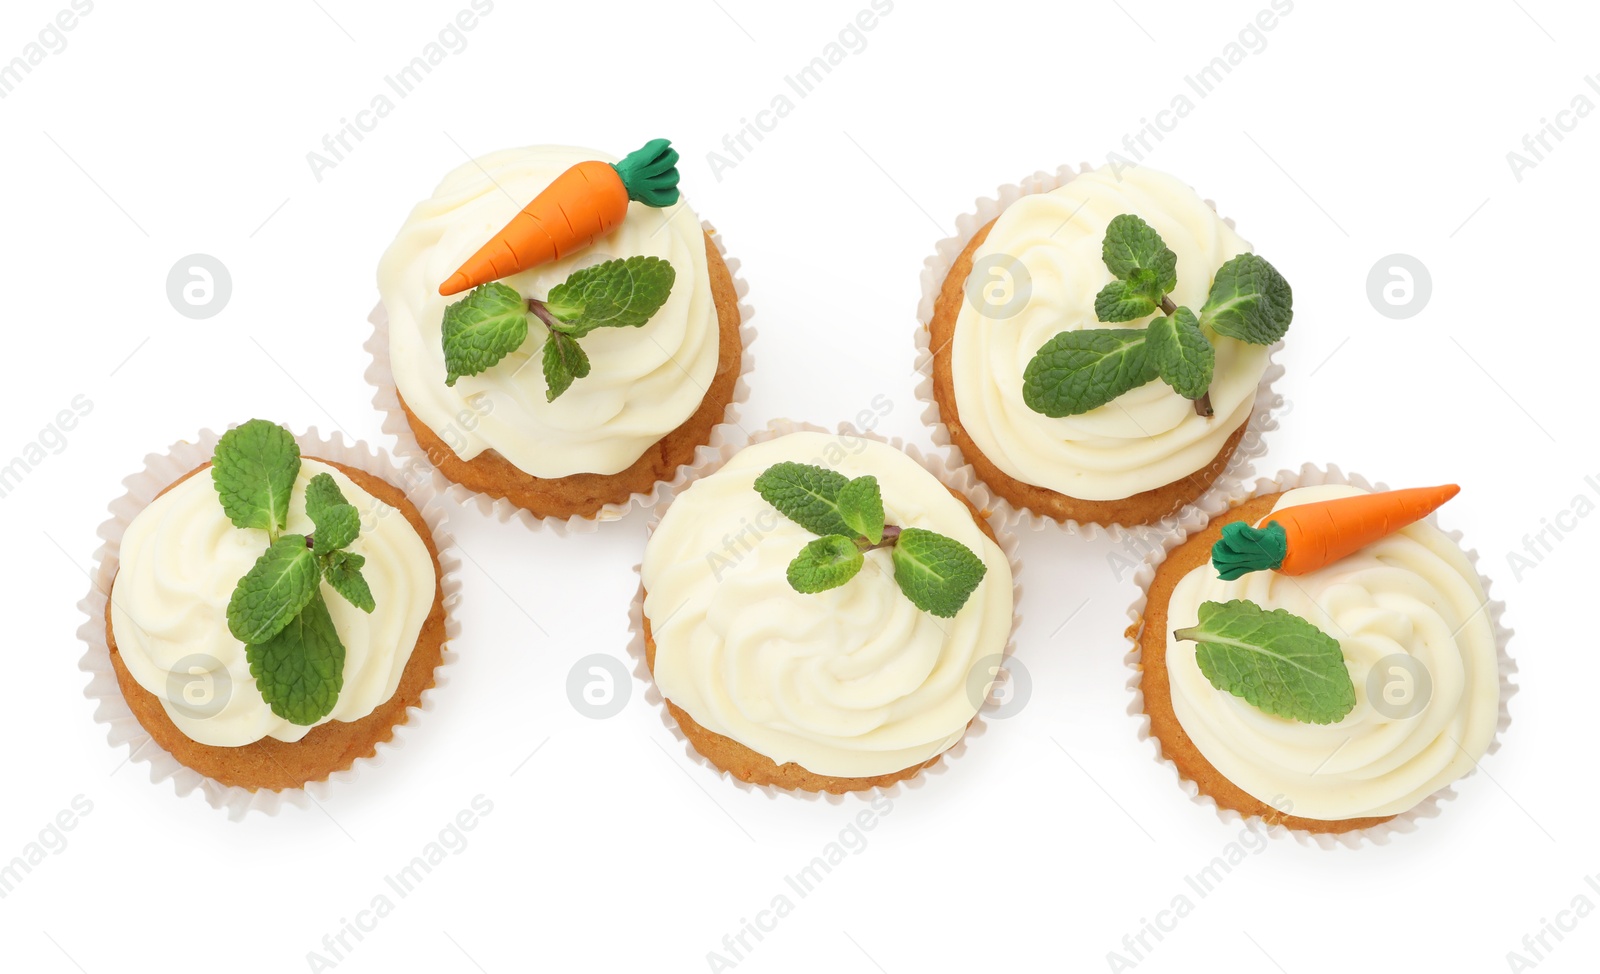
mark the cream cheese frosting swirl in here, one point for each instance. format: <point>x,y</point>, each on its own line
<point>1146,438</point>
<point>180,560</point>
<point>644,382</point>
<point>852,682</point>
<point>1409,614</point>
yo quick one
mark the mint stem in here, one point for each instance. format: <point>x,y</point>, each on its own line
<point>542,313</point>
<point>1202,406</point>
<point>891,534</point>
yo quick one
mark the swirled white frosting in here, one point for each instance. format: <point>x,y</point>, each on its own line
<point>1146,438</point>
<point>643,382</point>
<point>180,560</point>
<point>852,682</point>
<point>1409,615</point>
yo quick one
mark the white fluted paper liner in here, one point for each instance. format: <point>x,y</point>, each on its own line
<point>937,267</point>
<point>386,399</point>
<point>958,477</point>
<point>123,729</point>
<point>1310,475</point>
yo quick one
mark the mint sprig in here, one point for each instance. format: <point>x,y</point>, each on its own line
<point>938,574</point>
<point>342,571</point>
<point>615,294</point>
<point>564,361</point>
<point>274,591</point>
<point>300,671</point>
<point>337,521</point>
<point>482,328</point>
<point>1276,661</point>
<point>1139,259</point>
<point>1077,371</point>
<point>806,494</point>
<point>491,322</point>
<point>1248,301</point>
<point>277,609</point>
<point>1180,353</point>
<point>825,563</point>
<point>254,468</point>
<point>861,507</point>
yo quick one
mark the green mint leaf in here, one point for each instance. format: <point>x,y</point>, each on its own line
<point>1077,371</point>
<point>300,671</point>
<point>1135,253</point>
<point>482,328</point>
<point>805,494</point>
<point>564,361</point>
<point>1278,662</point>
<point>1122,301</point>
<point>825,563</point>
<point>861,506</point>
<point>936,573</point>
<point>337,520</point>
<point>275,589</point>
<point>254,469</point>
<point>1250,301</point>
<point>1181,353</point>
<point>616,294</point>
<point>342,569</point>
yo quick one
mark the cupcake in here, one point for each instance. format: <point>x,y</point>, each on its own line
<point>1322,657</point>
<point>557,329</point>
<point>1098,345</point>
<point>271,618</point>
<point>822,613</point>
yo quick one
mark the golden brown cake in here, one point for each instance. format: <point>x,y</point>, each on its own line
<point>583,494</point>
<point>1145,507</point>
<point>326,748</point>
<point>1259,723</point>
<point>780,643</point>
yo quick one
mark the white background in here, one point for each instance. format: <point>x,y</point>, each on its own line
<point>1360,130</point>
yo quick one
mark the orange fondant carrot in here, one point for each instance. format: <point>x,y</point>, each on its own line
<point>1301,539</point>
<point>582,205</point>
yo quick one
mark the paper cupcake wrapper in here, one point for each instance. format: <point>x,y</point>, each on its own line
<point>111,708</point>
<point>956,476</point>
<point>937,267</point>
<point>386,399</point>
<point>1311,475</point>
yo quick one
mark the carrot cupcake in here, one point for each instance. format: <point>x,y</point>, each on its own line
<point>1098,345</point>
<point>566,353</point>
<point>1322,657</point>
<point>271,618</point>
<point>824,614</point>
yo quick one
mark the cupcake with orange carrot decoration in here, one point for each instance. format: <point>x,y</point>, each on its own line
<point>1323,657</point>
<point>558,331</point>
